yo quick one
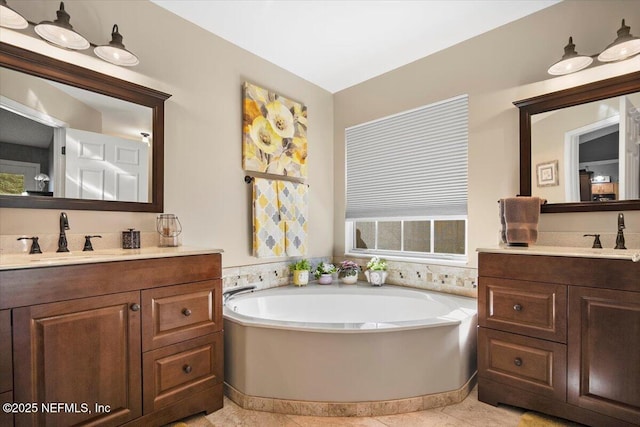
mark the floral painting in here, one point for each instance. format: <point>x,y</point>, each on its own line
<point>274,133</point>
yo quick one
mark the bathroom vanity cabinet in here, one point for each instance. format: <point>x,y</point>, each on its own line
<point>561,335</point>
<point>133,342</point>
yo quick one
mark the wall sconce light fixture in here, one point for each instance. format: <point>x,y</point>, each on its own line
<point>61,33</point>
<point>9,18</point>
<point>623,47</point>
<point>115,52</point>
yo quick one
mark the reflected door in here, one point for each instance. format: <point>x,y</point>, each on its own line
<point>629,149</point>
<point>102,167</point>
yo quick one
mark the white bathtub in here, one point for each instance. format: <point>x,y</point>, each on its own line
<point>348,343</point>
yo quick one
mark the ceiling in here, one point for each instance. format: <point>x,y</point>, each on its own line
<point>338,44</point>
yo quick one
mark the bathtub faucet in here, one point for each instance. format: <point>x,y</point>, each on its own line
<point>226,295</point>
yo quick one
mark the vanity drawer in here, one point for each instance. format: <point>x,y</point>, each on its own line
<point>531,364</point>
<point>175,372</point>
<point>530,308</point>
<point>177,313</point>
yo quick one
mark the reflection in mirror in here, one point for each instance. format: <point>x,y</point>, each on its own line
<point>88,145</point>
<point>597,147</point>
<point>87,127</point>
<point>579,146</point>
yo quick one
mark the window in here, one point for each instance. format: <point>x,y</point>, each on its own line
<point>407,183</point>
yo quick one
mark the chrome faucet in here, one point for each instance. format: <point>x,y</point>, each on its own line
<point>62,240</point>
<point>620,237</point>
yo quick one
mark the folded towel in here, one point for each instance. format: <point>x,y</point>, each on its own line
<point>521,215</point>
<point>268,230</point>
<point>293,202</point>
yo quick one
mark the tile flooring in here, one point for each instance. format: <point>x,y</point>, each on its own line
<point>469,412</point>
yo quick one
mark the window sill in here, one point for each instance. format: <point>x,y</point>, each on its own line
<point>458,262</point>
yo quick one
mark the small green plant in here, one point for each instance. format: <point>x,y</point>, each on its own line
<point>324,268</point>
<point>377,264</point>
<point>302,264</point>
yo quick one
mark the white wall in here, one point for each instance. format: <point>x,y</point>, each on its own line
<point>495,69</point>
<point>203,174</point>
<point>203,169</point>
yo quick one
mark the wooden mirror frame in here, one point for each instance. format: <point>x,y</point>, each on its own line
<point>38,65</point>
<point>596,91</point>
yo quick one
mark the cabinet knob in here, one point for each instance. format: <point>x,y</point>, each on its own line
<point>517,307</point>
<point>187,369</point>
<point>517,361</point>
<point>186,312</point>
<point>135,307</point>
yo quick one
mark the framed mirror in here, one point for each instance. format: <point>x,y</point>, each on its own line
<point>580,147</point>
<point>73,138</point>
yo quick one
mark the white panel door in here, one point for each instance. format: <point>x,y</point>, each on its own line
<point>629,185</point>
<point>105,167</point>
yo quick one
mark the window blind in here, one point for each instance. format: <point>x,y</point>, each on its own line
<point>409,164</point>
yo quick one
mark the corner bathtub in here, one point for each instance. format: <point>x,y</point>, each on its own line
<point>348,343</point>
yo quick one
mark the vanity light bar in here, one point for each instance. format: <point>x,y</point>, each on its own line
<point>623,47</point>
<point>60,33</point>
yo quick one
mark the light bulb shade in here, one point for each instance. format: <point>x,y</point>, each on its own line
<point>115,52</point>
<point>623,47</point>
<point>571,61</point>
<point>61,33</point>
<point>9,18</point>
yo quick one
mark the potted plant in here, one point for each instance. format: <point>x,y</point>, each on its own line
<point>324,273</point>
<point>300,271</point>
<point>348,271</point>
<point>376,271</point>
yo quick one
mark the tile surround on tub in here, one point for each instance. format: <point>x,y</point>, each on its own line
<point>452,280</point>
<point>349,409</point>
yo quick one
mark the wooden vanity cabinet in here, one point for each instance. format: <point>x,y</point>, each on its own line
<point>561,335</point>
<point>83,335</point>
<point>6,366</point>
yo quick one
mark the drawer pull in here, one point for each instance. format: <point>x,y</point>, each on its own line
<point>517,307</point>
<point>187,369</point>
<point>135,307</point>
<point>517,361</point>
<point>186,312</point>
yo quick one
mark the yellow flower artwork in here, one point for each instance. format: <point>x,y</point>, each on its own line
<point>274,133</point>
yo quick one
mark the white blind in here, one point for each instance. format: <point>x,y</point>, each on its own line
<point>409,164</point>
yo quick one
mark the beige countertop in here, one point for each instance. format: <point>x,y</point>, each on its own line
<point>23,260</point>
<point>630,254</point>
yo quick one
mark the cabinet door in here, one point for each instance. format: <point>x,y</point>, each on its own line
<point>604,352</point>
<point>6,373</point>
<point>79,361</point>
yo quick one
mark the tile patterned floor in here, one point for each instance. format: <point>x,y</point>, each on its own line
<point>468,413</point>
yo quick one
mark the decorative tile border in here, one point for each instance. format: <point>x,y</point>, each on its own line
<point>262,276</point>
<point>448,279</point>
<point>349,409</point>
<point>441,278</point>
